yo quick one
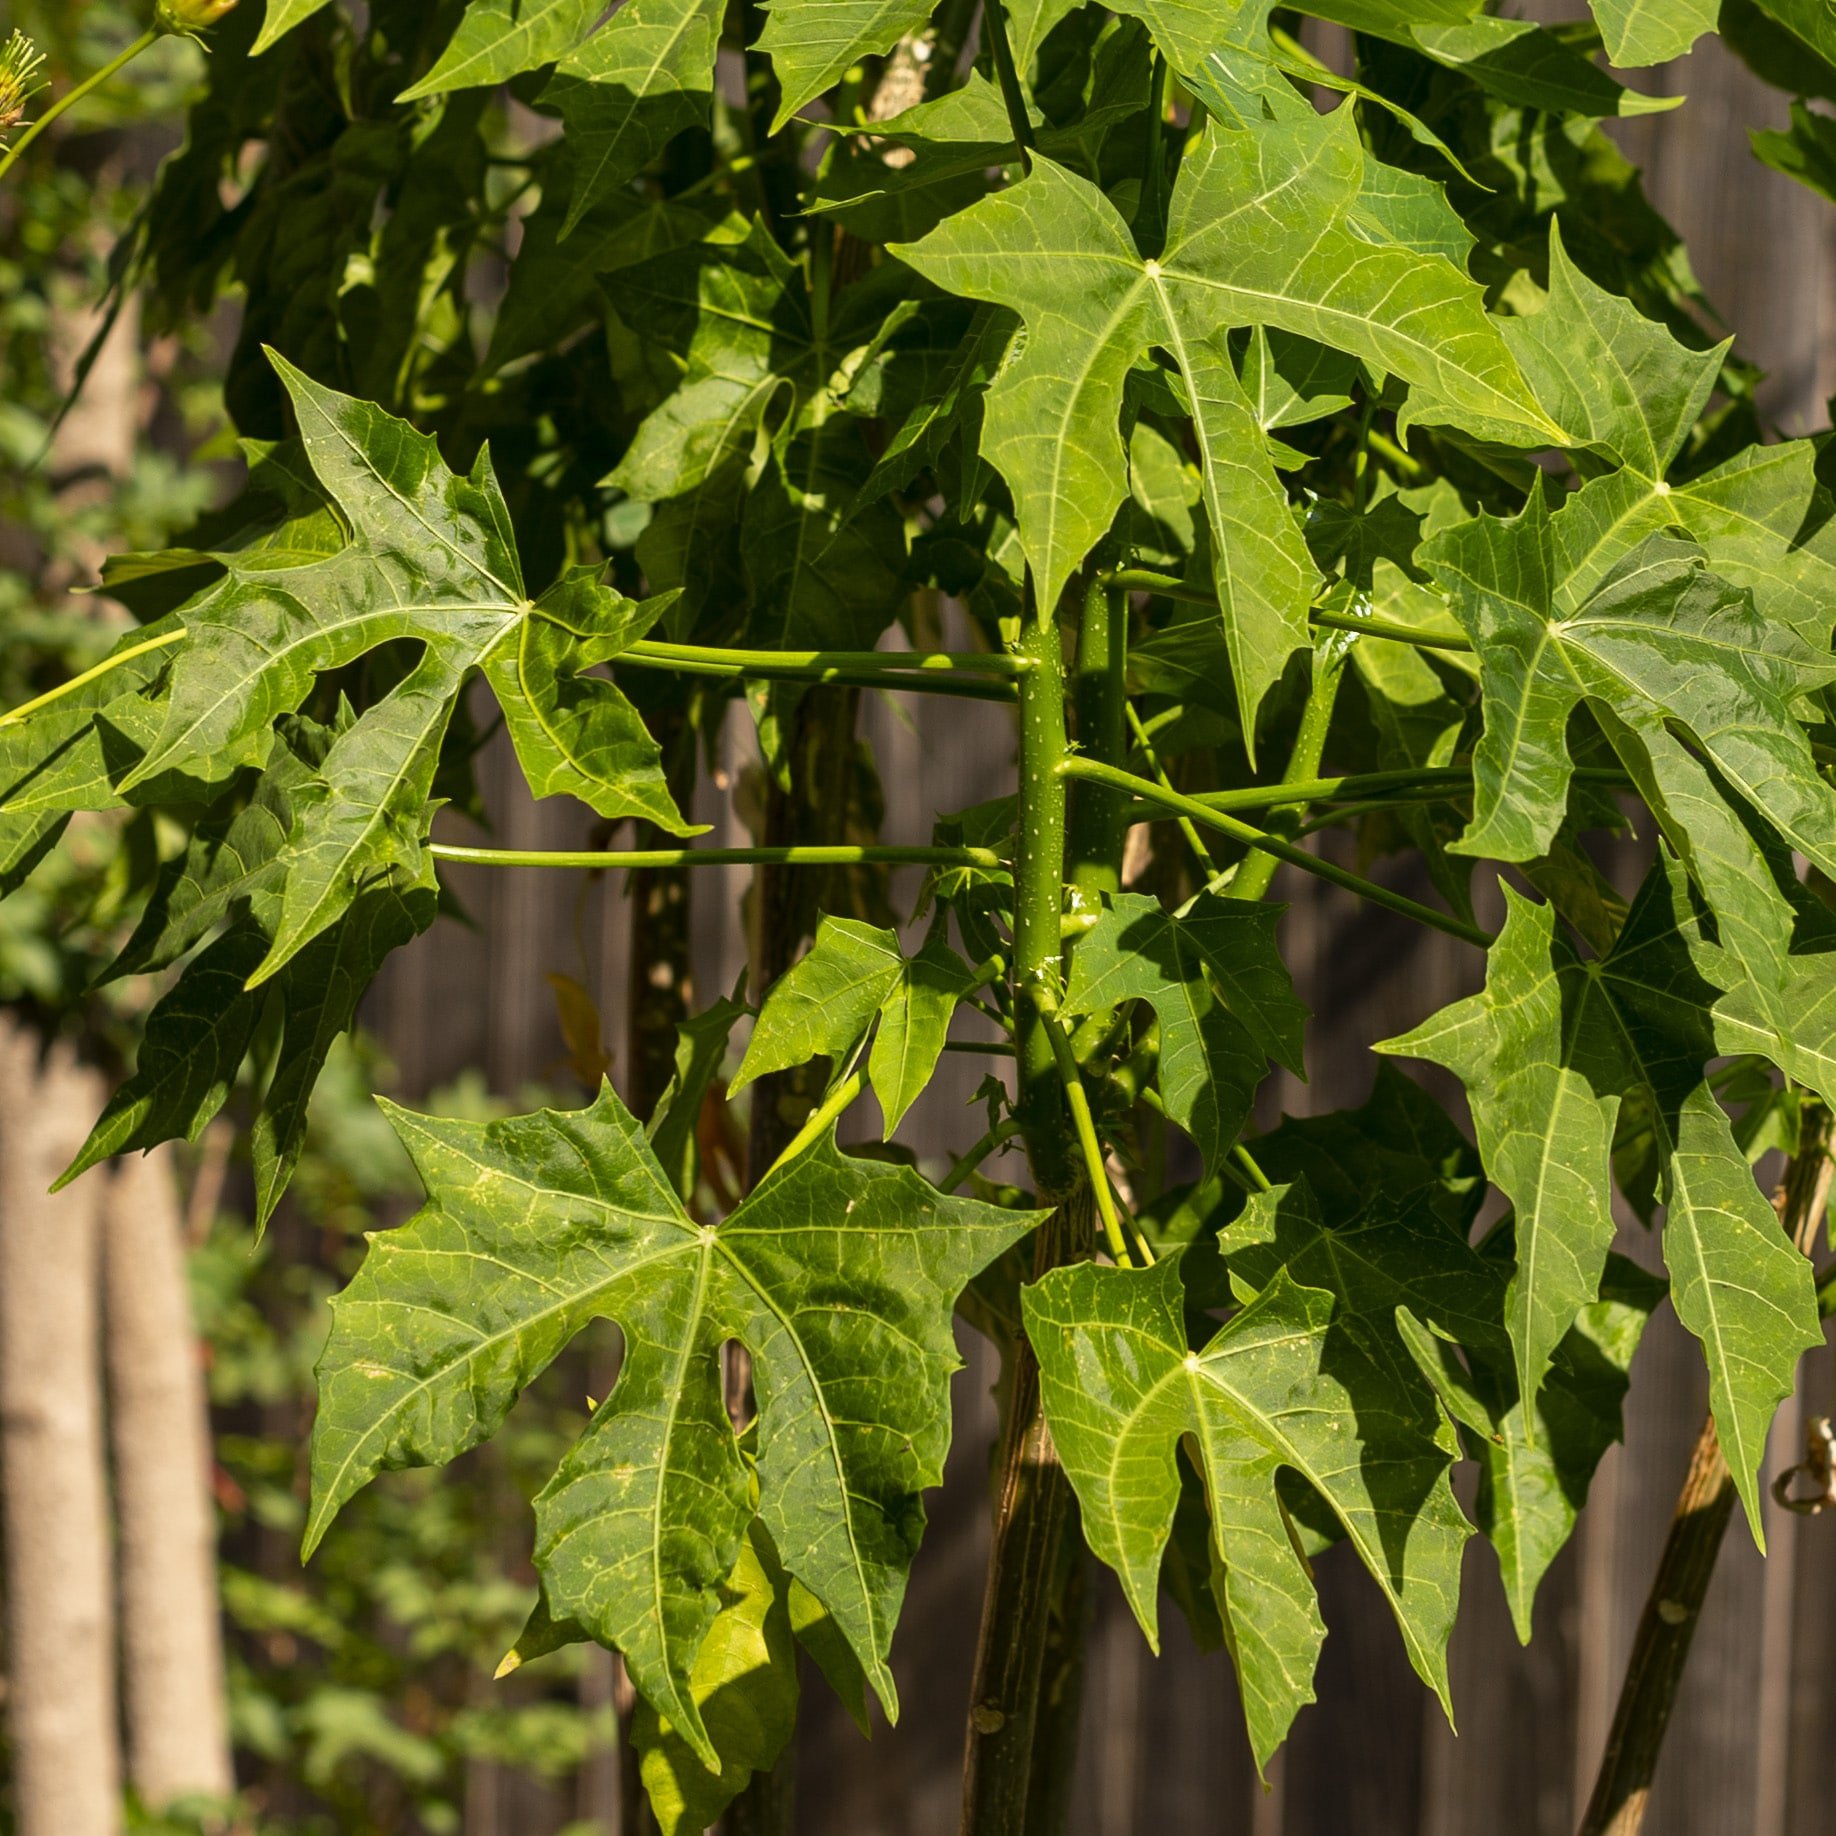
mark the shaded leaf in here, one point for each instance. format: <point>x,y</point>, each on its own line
<point>1215,979</point>
<point>499,39</point>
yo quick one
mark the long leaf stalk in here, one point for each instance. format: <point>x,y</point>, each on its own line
<point>1370,890</point>
<point>867,855</point>
<point>977,675</point>
<point>1257,873</point>
<point>1167,586</point>
<point>1705,1507</point>
<point>1089,1142</point>
<point>1013,96</point>
<point>75,94</point>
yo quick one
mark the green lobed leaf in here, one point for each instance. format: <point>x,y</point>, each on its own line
<point>499,39</point>
<point>1654,31</point>
<point>541,1223</point>
<point>1549,1054</point>
<point>193,1044</point>
<point>1378,1211</point>
<point>1545,1133</point>
<point>432,560</point>
<point>1534,1477</point>
<point>626,92</point>
<point>1661,640</point>
<point>824,1004</point>
<point>1216,981</point>
<point>915,1016</point>
<point>1262,230</point>
<point>744,1685</point>
<point>1121,1389</point>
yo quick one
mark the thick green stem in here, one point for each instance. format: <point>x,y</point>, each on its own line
<point>641,858</point>
<point>1099,687</point>
<point>1033,1508</point>
<point>1204,813</point>
<point>71,97</point>
<point>1329,659</point>
<point>1039,875</point>
<point>1035,1520</point>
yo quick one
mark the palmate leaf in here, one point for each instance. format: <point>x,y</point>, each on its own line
<point>1549,1054</point>
<point>1545,1133</point>
<point>1378,1211</point>
<point>630,89</point>
<point>1532,1483</point>
<point>1121,1389</point>
<point>231,879</point>
<point>1215,979</point>
<point>1628,389</point>
<point>1661,640</point>
<point>499,39</point>
<point>431,559</point>
<point>1265,228</point>
<point>838,1275</point>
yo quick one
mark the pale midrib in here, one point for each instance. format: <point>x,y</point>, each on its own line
<point>438,538</point>
<point>881,1677</point>
<point>314,639</point>
<point>522,1324</point>
<point>1375,1565</point>
<point>459,75</point>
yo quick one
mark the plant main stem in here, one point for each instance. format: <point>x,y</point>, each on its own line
<point>1705,1506</point>
<point>1099,819</point>
<point>1033,1507</point>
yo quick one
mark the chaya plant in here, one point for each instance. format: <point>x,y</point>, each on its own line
<point>1313,455</point>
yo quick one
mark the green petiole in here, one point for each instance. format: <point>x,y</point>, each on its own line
<point>1179,804</point>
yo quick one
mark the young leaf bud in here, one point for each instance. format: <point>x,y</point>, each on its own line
<point>190,16</point>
